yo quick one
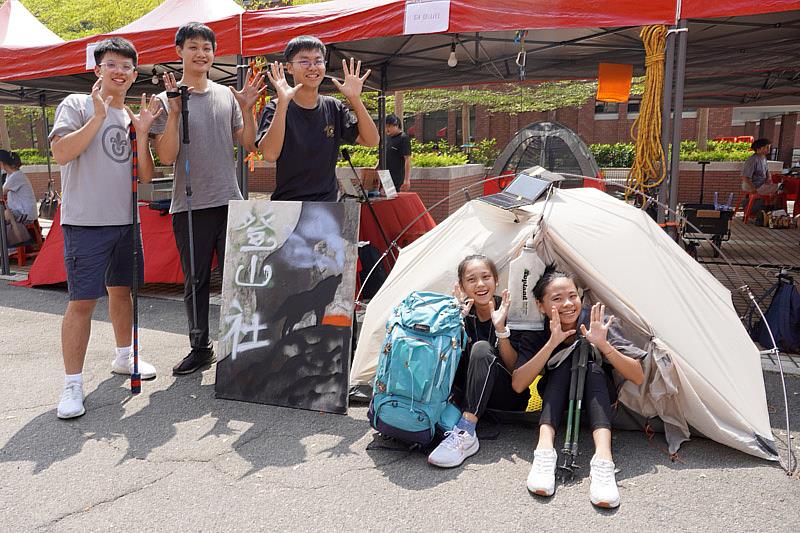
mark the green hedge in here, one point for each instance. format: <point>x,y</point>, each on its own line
<point>622,154</point>
<point>422,155</point>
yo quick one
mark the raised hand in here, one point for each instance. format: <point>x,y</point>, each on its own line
<point>278,80</point>
<point>353,80</point>
<point>148,113</point>
<point>249,94</point>
<point>557,335</point>
<point>598,327</point>
<point>100,105</point>
<point>171,86</point>
<point>500,314</point>
<point>466,303</point>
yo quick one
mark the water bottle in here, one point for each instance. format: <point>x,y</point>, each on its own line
<point>523,273</point>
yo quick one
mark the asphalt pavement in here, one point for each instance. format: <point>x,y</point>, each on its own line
<point>175,458</point>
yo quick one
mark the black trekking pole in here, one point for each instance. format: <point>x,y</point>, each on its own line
<point>194,332</point>
<point>346,156</point>
<point>136,378</point>
<point>576,386</point>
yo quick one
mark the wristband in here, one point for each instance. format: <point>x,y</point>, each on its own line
<point>503,334</point>
<point>173,94</point>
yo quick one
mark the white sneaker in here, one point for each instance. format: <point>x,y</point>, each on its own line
<point>457,446</point>
<point>542,477</point>
<point>146,370</point>
<point>71,404</point>
<point>603,490</point>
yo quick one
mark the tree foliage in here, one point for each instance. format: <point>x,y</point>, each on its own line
<point>71,19</point>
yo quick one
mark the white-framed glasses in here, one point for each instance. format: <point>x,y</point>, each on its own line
<point>306,63</point>
<point>122,67</point>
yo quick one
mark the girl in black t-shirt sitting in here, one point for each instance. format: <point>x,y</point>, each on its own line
<point>552,351</point>
<point>483,377</point>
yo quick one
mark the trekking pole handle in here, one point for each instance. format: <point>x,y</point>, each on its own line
<point>184,90</point>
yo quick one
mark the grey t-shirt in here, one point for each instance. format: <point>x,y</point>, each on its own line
<point>20,195</point>
<point>755,168</point>
<point>96,185</point>
<point>214,116</point>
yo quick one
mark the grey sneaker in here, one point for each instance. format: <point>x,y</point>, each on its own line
<point>457,446</point>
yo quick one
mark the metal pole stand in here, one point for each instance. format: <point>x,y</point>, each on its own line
<point>195,333</point>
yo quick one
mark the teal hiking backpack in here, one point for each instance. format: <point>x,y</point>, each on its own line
<point>424,340</point>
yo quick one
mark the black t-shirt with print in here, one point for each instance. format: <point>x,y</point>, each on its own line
<point>306,168</point>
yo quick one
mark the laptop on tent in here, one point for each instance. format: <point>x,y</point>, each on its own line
<point>525,189</point>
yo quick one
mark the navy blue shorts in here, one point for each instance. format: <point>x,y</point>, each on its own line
<point>97,257</point>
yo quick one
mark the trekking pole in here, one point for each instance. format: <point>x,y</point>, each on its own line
<point>136,378</point>
<point>576,386</point>
<point>194,332</point>
<point>583,363</point>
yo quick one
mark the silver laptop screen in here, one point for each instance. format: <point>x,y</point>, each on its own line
<point>529,187</point>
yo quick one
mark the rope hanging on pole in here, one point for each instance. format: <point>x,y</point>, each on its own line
<point>649,166</point>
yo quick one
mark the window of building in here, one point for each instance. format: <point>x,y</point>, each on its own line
<point>606,110</point>
<point>434,124</point>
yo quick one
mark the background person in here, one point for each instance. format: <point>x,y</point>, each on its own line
<point>398,154</point>
<point>20,199</point>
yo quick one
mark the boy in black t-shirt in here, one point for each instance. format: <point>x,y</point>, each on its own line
<point>301,130</point>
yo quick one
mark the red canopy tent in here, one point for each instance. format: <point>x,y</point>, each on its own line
<point>60,69</point>
<point>20,29</point>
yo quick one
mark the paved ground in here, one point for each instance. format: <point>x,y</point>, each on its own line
<point>175,458</point>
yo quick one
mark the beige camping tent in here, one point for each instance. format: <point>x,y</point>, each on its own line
<point>703,371</point>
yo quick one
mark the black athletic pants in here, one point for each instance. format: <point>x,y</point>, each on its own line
<point>489,383</point>
<point>554,390</point>
<point>209,236</point>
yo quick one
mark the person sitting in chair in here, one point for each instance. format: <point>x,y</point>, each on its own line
<point>20,200</point>
<point>755,174</point>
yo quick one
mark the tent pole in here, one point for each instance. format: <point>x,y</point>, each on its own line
<point>241,170</point>
<point>680,76</point>
<point>43,105</point>
<point>666,112</point>
<point>382,119</point>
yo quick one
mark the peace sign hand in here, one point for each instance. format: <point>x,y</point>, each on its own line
<point>249,94</point>
<point>557,335</point>
<point>148,113</point>
<point>598,328</point>
<point>500,314</point>
<point>100,104</point>
<point>278,80</point>
<point>353,80</point>
<point>466,303</point>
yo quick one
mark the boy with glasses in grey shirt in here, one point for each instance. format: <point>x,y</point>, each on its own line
<point>90,141</point>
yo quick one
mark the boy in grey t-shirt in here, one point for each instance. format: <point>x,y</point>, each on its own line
<point>218,119</point>
<point>90,141</point>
